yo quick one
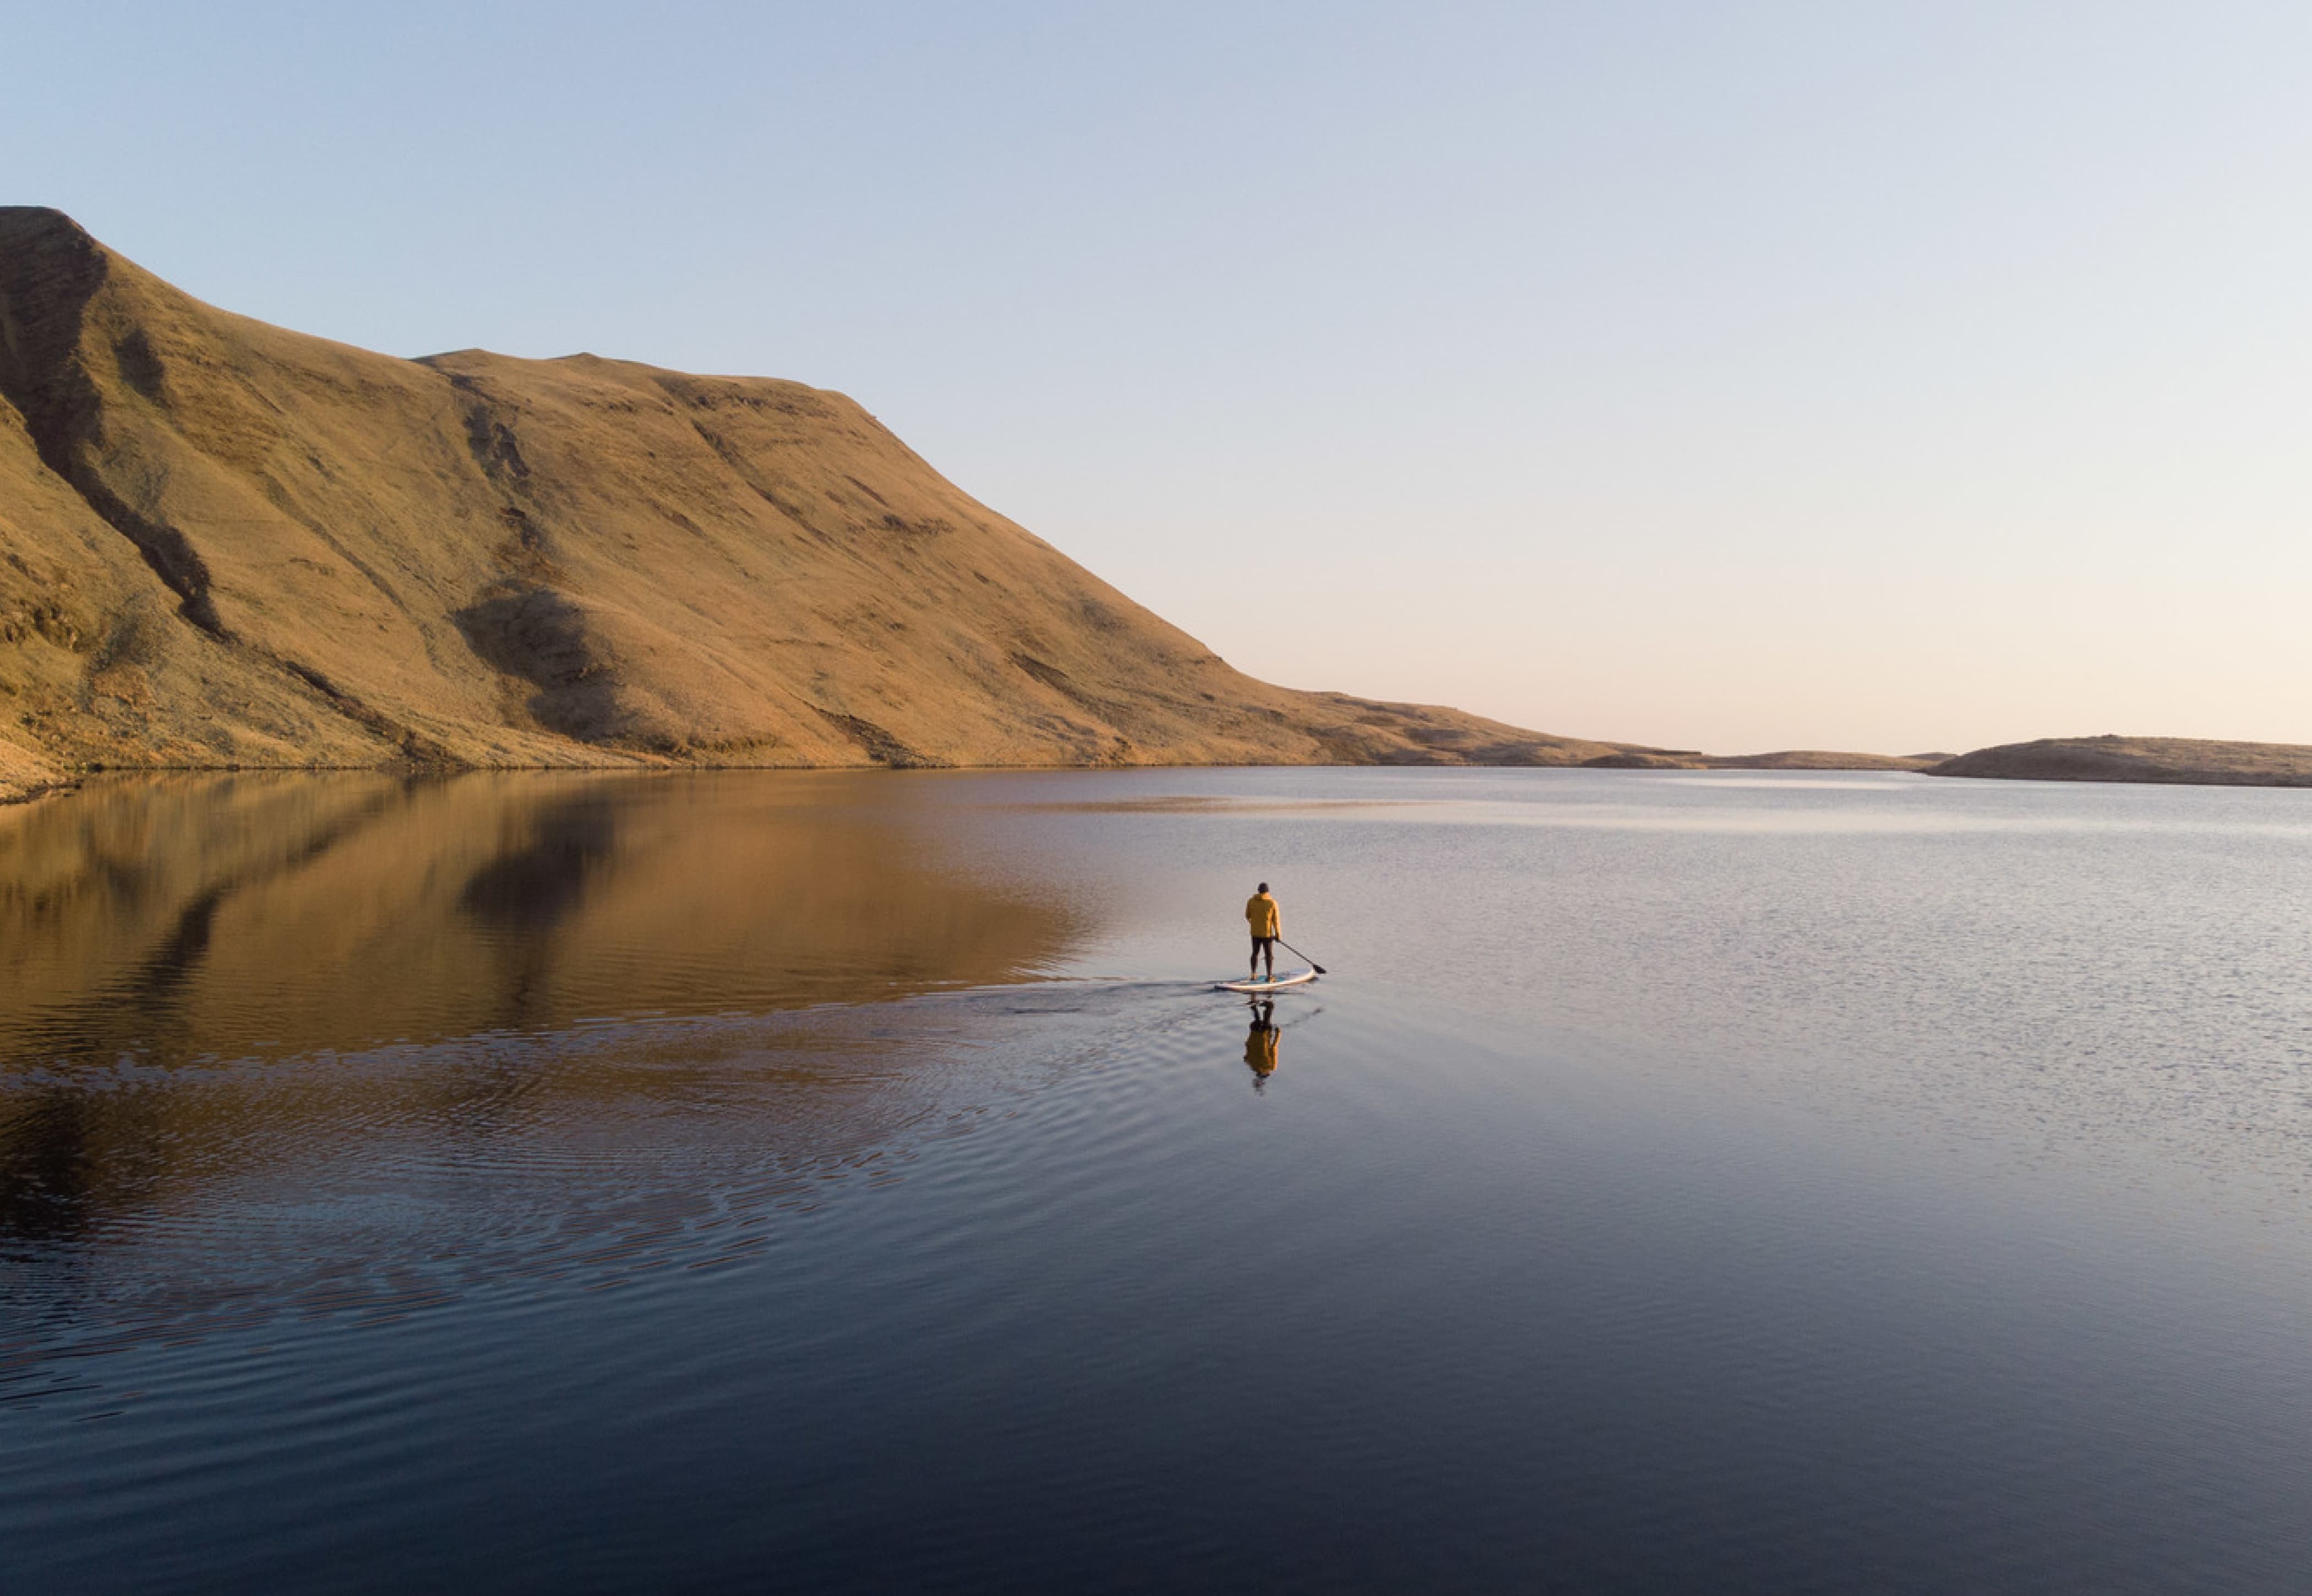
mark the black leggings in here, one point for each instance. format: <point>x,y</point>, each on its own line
<point>1264,945</point>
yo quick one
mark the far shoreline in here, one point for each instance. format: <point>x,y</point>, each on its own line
<point>2109,759</point>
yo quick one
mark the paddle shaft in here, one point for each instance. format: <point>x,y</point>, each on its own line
<point>1288,948</point>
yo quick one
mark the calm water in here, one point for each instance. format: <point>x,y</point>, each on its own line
<point>849,1182</point>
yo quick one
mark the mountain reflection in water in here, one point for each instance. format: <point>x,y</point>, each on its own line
<point>169,946</point>
<point>205,915</point>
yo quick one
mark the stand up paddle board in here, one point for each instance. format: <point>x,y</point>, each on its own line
<point>1265,986</point>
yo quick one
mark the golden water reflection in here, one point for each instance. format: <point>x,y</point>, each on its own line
<point>202,976</point>
<point>231,914</point>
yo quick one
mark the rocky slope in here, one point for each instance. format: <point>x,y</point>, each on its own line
<point>224,543</point>
<point>2188,760</point>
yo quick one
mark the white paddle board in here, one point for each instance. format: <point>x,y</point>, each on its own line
<point>1265,986</point>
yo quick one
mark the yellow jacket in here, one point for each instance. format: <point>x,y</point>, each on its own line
<point>1260,912</point>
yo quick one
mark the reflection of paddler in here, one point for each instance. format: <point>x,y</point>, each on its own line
<point>1260,1042</point>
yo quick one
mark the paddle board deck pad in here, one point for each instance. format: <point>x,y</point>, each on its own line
<point>1301,979</point>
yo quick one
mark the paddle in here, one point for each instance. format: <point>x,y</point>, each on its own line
<point>1288,948</point>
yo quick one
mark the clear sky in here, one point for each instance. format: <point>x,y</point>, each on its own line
<point>1726,376</point>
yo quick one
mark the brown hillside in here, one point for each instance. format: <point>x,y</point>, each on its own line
<point>2188,760</point>
<point>225,544</point>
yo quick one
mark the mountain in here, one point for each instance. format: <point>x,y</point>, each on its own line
<point>225,544</point>
<point>2188,760</point>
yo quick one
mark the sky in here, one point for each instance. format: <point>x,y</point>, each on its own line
<point>1892,376</point>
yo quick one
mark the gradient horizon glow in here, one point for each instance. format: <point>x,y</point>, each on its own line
<point>1886,376</point>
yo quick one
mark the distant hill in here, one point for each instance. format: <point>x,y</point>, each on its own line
<point>1788,759</point>
<point>2139,759</point>
<point>1817,759</point>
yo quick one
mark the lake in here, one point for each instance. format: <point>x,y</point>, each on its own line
<point>845,1182</point>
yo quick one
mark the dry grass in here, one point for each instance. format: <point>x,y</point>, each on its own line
<point>225,544</point>
<point>2189,760</point>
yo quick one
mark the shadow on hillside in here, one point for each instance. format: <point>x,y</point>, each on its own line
<point>540,635</point>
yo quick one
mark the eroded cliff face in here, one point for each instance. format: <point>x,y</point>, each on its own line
<point>225,544</point>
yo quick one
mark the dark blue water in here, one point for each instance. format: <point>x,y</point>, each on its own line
<point>755,1182</point>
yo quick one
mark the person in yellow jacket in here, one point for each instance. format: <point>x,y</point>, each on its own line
<point>1268,923</point>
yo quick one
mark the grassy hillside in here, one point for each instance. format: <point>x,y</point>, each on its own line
<point>225,544</point>
<point>2140,759</point>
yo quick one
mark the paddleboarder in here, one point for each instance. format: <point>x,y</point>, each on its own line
<point>1268,923</point>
